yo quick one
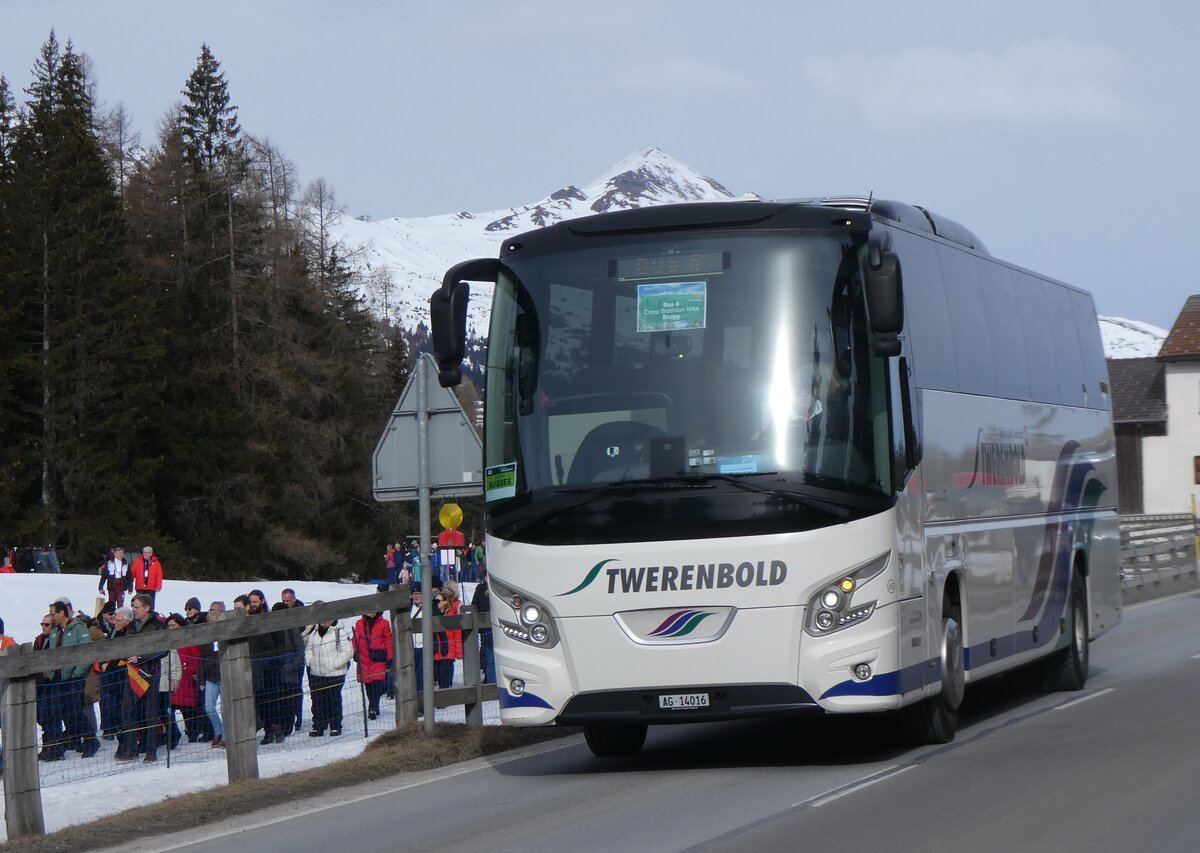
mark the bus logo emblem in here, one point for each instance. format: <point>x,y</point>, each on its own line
<point>680,624</point>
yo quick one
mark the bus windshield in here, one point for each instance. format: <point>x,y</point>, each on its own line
<point>733,368</point>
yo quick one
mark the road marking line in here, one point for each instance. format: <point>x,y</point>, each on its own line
<point>1087,698</point>
<point>311,806</point>
<point>855,787</point>
<point>1195,657</point>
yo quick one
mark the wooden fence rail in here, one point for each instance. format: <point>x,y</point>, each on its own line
<point>20,666</point>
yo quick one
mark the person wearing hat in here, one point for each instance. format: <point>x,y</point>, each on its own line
<point>147,574</point>
<point>115,578</point>
<point>192,613</point>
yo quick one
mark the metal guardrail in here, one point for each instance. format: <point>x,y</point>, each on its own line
<point>1158,552</point>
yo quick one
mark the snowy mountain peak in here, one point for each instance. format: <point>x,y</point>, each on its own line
<point>644,178</point>
<point>650,177</point>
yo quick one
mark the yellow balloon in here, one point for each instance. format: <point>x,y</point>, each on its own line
<point>450,516</point>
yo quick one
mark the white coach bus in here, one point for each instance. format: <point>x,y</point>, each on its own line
<point>763,458</point>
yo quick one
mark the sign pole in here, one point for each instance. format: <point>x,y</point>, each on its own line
<point>428,610</point>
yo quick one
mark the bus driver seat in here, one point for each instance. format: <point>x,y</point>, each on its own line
<point>612,451</point>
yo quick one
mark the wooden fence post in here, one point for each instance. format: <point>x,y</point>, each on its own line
<point>22,791</point>
<point>405,682</point>
<point>237,706</point>
<point>473,711</point>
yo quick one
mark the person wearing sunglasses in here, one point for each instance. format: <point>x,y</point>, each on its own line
<point>52,730</point>
<point>447,645</point>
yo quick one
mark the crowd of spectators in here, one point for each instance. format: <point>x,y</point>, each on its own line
<point>138,697</point>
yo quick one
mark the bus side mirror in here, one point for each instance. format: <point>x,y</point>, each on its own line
<point>448,316</point>
<point>885,300</point>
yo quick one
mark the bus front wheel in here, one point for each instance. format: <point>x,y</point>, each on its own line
<point>935,720</point>
<point>607,740</point>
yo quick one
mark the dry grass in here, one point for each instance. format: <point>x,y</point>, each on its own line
<point>406,750</point>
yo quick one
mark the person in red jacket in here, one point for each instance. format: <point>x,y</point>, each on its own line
<point>447,645</point>
<point>373,653</point>
<point>188,697</point>
<point>147,574</point>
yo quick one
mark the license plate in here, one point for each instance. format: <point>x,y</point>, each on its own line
<point>682,701</point>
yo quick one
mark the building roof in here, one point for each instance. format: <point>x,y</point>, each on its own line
<point>1183,342</point>
<point>1139,390</point>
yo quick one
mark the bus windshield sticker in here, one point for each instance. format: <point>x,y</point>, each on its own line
<point>500,481</point>
<point>740,464</point>
<point>671,307</point>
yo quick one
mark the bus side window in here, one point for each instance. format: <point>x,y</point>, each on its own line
<point>1036,332</point>
<point>972,340</point>
<point>927,317</point>
<point>1066,345</point>
<point>1008,347</point>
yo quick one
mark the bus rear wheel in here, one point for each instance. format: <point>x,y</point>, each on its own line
<point>1067,669</point>
<point>607,740</point>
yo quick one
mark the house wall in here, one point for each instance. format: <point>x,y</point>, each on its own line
<point>1168,461</point>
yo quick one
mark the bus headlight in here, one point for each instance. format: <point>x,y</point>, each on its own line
<point>833,608</point>
<point>531,622</point>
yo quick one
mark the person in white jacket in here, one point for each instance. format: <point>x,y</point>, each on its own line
<point>329,651</point>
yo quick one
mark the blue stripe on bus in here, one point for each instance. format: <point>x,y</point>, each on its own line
<point>926,672</point>
<point>525,700</point>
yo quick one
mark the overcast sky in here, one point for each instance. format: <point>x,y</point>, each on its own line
<point>1062,133</point>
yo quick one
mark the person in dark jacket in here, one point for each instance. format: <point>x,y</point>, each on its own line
<point>481,604</point>
<point>265,672</point>
<point>115,579</point>
<point>140,711</point>
<point>291,675</point>
<point>111,683</point>
<point>192,612</point>
<point>47,711</point>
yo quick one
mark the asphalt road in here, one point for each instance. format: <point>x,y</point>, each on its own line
<point>1115,767</point>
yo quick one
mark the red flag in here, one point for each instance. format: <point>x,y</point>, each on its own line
<point>138,682</point>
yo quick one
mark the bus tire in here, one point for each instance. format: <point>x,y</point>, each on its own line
<point>935,720</point>
<point>1067,669</point>
<point>607,740</point>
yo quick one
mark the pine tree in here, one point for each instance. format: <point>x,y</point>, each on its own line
<point>78,308</point>
<point>15,361</point>
<point>211,133</point>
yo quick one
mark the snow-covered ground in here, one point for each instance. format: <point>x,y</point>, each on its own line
<point>77,790</point>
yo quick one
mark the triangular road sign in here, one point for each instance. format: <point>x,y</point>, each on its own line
<point>455,451</point>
